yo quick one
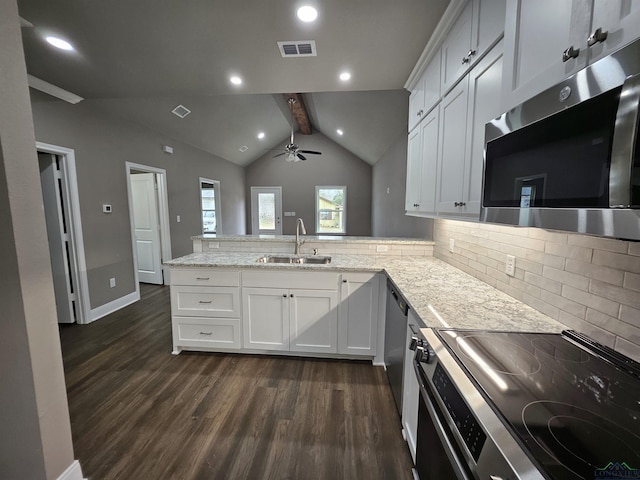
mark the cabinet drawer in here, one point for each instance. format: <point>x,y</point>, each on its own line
<point>205,301</point>
<point>290,279</point>
<point>211,277</point>
<point>215,333</point>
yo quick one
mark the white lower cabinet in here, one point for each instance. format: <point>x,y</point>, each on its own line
<point>293,320</point>
<point>290,311</point>
<point>205,309</point>
<point>275,311</point>
<point>411,392</point>
<point>358,314</point>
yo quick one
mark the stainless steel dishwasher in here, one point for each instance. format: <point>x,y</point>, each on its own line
<point>395,332</point>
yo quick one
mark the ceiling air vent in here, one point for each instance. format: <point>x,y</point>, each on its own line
<point>303,48</point>
<point>181,111</point>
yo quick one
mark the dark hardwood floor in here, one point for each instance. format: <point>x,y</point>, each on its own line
<point>138,412</point>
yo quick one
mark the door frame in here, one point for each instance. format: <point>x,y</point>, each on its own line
<point>78,259</point>
<point>163,217</point>
<point>255,230</point>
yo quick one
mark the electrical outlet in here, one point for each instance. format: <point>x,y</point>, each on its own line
<point>452,245</point>
<point>112,282</point>
<point>510,268</point>
<point>382,248</point>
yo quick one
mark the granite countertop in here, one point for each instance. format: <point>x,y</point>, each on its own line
<point>312,238</point>
<point>440,294</point>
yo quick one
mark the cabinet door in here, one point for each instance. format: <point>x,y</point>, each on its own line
<point>265,318</point>
<point>536,35</point>
<point>488,24</point>
<point>422,161</point>
<point>455,48</point>
<point>414,172</point>
<point>485,81</point>
<point>358,314</point>
<point>416,103</point>
<point>429,152</point>
<point>313,321</point>
<point>451,158</point>
<point>411,391</point>
<point>432,83</point>
<point>620,19</point>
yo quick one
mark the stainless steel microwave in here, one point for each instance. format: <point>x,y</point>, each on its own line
<point>569,158</point>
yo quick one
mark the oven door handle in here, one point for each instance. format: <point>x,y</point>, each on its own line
<point>441,430</point>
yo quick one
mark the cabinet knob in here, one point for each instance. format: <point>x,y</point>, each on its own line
<point>344,281</point>
<point>570,53</point>
<point>460,204</point>
<point>467,57</point>
<point>284,295</point>
<point>597,37</point>
<point>291,295</point>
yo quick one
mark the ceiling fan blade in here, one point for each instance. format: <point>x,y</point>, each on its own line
<point>301,157</point>
<point>311,151</point>
<point>279,155</point>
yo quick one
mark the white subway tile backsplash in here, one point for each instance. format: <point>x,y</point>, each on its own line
<point>617,260</point>
<point>590,284</point>
<point>606,274</point>
<point>631,281</point>
<point>566,278</point>
<point>598,243</point>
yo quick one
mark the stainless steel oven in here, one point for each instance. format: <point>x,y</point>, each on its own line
<point>506,406</point>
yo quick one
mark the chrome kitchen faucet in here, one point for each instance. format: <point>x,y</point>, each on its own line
<point>299,225</point>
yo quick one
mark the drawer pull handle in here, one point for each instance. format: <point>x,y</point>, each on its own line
<point>202,278</point>
<point>205,302</point>
<point>597,37</point>
<point>206,333</point>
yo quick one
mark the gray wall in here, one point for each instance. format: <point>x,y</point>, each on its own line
<point>35,433</point>
<point>102,145</point>
<point>336,166</point>
<point>388,217</point>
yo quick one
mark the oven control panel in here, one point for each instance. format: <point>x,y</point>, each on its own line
<point>467,425</point>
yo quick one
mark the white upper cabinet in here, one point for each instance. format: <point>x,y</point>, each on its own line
<point>426,93</point>
<point>465,112</point>
<point>452,149</point>
<point>614,24</point>
<point>547,40</point>
<point>456,49</point>
<point>422,159</point>
<point>478,27</point>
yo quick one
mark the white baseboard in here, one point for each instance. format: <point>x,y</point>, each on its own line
<point>114,306</point>
<point>74,472</point>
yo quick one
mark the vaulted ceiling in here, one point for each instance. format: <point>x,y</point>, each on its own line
<point>139,59</point>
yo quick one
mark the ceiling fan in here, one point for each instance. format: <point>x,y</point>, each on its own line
<point>292,150</point>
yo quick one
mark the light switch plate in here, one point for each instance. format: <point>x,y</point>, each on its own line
<point>452,245</point>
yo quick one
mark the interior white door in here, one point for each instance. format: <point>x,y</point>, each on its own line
<point>147,227</point>
<point>266,210</point>
<point>57,221</point>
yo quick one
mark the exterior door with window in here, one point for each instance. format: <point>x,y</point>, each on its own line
<point>266,210</point>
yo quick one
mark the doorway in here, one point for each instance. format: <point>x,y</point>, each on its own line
<point>64,232</point>
<point>149,216</point>
<point>266,210</point>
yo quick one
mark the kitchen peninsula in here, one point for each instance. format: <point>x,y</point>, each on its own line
<point>223,286</point>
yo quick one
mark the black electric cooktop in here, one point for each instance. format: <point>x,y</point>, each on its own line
<point>576,412</point>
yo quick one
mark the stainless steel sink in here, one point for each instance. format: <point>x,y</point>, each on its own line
<point>295,259</point>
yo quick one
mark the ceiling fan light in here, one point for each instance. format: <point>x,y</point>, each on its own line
<point>59,43</point>
<point>261,135</point>
<point>236,80</point>
<point>345,76</point>
<point>339,132</point>
<point>307,13</point>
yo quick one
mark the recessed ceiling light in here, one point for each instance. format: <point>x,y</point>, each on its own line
<point>307,13</point>
<point>59,43</point>
<point>261,135</point>
<point>340,132</point>
<point>236,80</point>
<point>345,76</point>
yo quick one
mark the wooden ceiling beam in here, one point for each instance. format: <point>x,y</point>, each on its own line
<point>300,113</point>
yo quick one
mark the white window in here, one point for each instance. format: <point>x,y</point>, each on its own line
<point>331,210</point>
<point>210,205</point>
